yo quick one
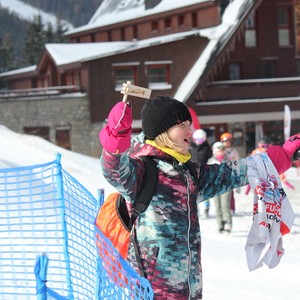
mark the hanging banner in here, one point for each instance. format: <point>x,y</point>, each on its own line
<point>287,122</point>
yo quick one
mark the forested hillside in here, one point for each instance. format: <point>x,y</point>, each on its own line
<point>77,12</point>
<point>21,41</point>
<point>12,40</point>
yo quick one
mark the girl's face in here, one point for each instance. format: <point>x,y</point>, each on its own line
<point>219,154</point>
<point>180,135</point>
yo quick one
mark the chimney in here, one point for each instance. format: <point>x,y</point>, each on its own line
<point>152,3</point>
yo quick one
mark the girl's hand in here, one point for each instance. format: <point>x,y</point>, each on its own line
<point>115,136</point>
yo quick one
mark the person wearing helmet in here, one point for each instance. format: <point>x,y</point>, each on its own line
<point>222,201</point>
<point>201,151</point>
<point>231,153</point>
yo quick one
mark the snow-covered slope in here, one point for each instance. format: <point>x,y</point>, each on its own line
<point>25,150</point>
<point>28,12</point>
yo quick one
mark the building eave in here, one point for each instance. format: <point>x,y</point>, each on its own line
<point>215,54</point>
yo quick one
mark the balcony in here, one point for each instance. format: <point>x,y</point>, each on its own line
<point>38,93</point>
<point>251,89</point>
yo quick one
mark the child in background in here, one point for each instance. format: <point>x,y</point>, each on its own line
<point>231,153</point>
<point>222,201</point>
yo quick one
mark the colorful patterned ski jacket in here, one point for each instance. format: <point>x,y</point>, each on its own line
<point>168,232</point>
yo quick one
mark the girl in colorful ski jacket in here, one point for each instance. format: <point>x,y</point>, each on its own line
<point>168,232</point>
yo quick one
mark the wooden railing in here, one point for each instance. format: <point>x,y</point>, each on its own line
<point>38,92</point>
<point>252,89</point>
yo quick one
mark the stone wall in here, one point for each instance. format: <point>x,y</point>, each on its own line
<point>70,111</point>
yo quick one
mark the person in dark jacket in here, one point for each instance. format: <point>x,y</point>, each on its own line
<point>200,149</point>
<point>201,152</point>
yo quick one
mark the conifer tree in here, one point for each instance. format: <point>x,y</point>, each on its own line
<point>37,37</point>
<point>7,54</point>
<point>60,31</point>
<point>49,35</point>
<point>35,41</point>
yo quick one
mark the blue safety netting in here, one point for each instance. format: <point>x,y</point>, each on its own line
<point>117,280</point>
<point>47,240</point>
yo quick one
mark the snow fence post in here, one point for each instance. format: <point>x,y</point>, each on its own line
<point>60,193</point>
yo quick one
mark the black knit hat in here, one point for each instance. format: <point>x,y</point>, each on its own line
<point>161,113</point>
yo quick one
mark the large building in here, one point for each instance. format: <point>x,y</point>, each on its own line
<point>236,63</point>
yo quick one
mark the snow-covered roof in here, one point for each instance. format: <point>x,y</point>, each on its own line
<point>116,11</point>
<point>64,54</point>
<point>218,37</point>
<point>19,71</point>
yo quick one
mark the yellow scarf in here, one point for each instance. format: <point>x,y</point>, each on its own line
<point>183,158</point>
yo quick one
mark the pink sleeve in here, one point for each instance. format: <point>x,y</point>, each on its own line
<point>115,136</point>
<point>280,159</point>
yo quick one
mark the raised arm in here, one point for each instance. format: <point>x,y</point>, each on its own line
<point>115,136</point>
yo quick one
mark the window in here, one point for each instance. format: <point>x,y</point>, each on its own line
<point>283,20</point>
<point>168,23</point>
<point>158,75</point>
<point>123,34</point>
<point>109,36</point>
<point>194,20</point>
<point>269,68</point>
<point>69,79</point>
<point>44,81</point>
<point>73,78</point>
<point>154,26</point>
<point>250,32</point>
<point>234,71</point>
<point>76,78</point>
<point>62,137</point>
<point>298,68</point>
<point>135,32</point>
<point>181,20</point>
<point>123,73</point>
<point>41,131</point>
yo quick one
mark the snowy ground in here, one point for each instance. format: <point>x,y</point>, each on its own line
<point>226,276</point>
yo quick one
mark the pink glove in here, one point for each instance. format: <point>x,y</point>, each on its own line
<point>291,146</point>
<point>282,156</point>
<point>115,136</point>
